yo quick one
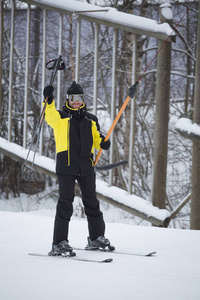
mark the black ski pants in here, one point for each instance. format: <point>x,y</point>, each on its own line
<point>64,211</point>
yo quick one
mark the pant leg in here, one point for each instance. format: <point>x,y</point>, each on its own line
<point>64,208</point>
<point>96,224</point>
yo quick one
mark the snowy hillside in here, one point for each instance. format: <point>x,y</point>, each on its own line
<point>172,274</point>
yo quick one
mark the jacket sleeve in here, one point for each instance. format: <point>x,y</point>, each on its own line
<point>52,116</point>
<point>97,136</point>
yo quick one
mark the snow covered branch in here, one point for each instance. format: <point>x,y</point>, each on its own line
<point>188,129</point>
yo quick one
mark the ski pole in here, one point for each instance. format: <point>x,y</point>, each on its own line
<point>132,92</point>
<point>58,64</point>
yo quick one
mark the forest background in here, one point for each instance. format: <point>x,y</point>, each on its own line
<point>15,181</point>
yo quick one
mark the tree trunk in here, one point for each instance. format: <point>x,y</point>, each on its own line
<point>161,124</point>
<point>195,199</point>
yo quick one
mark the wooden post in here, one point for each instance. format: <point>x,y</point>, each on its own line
<point>162,115</point>
<point>26,76</point>
<point>1,54</point>
<point>11,71</point>
<point>195,200</point>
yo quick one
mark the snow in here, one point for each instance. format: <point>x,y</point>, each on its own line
<point>184,124</point>
<point>167,11</point>
<point>132,201</point>
<point>41,161</point>
<point>172,274</point>
<point>112,15</point>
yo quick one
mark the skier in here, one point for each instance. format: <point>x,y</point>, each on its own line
<point>77,133</point>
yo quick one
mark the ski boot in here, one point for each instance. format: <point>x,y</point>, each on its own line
<point>101,243</point>
<point>63,249</point>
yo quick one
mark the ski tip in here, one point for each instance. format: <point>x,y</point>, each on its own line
<point>108,260</point>
<point>151,253</point>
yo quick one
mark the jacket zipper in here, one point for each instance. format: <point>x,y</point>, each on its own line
<point>68,142</point>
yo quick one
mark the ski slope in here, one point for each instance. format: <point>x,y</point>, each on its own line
<point>172,274</point>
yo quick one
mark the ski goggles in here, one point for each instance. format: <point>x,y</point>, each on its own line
<point>77,97</point>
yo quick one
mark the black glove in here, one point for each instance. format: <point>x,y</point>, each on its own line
<point>105,145</point>
<point>132,90</point>
<point>48,92</point>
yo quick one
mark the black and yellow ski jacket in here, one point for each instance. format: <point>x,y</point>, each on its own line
<point>77,133</point>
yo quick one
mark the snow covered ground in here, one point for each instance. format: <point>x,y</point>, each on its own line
<point>172,274</point>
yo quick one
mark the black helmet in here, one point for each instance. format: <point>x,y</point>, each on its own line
<point>75,89</point>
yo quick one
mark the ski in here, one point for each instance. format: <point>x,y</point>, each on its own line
<point>148,254</point>
<point>137,254</point>
<point>107,260</point>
